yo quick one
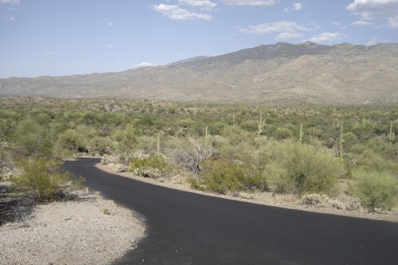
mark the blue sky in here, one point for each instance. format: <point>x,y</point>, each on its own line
<point>65,37</point>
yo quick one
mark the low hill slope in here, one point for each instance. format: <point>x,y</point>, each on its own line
<point>345,73</point>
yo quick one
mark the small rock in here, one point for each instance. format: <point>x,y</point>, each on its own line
<point>106,211</point>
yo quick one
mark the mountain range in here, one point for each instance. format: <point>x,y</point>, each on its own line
<point>338,74</point>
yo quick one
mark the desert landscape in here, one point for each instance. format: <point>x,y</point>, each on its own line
<point>306,127</point>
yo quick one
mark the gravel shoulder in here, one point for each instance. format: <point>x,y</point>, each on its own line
<point>87,230</point>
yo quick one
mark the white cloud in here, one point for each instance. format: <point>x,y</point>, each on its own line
<point>110,46</point>
<point>393,22</point>
<point>286,29</point>
<point>110,24</point>
<point>175,12</point>
<point>249,2</point>
<point>338,24</point>
<point>12,18</point>
<point>361,23</point>
<point>203,4</point>
<point>296,7</point>
<point>376,9</point>
<point>143,64</point>
<point>373,41</point>
<point>12,2</point>
<point>327,37</point>
<point>288,35</point>
<point>315,25</point>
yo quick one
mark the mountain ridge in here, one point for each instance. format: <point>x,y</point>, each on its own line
<point>342,73</point>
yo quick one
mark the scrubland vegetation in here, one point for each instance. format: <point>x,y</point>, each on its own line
<point>279,147</point>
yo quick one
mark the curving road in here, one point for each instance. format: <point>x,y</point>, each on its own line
<point>187,228</point>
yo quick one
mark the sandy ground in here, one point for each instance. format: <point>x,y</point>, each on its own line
<point>87,230</point>
<point>93,230</point>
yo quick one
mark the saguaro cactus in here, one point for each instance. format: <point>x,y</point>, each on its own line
<point>341,141</point>
<point>391,134</point>
<point>158,144</point>
<point>260,124</point>
<point>234,123</point>
<point>301,133</point>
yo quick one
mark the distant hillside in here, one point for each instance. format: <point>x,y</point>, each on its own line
<point>344,73</point>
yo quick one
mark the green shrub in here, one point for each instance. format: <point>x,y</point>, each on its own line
<point>371,161</point>
<point>217,127</point>
<point>314,132</point>
<point>250,125</point>
<point>221,176</point>
<point>69,142</point>
<point>378,144</point>
<point>364,130</point>
<point>124,139</point>
<point>32,140</point>
<point>100,145</point>
<point>358,149</point>
<point>235,135</point>
<point>301,168</point>
<point>255,178</point>
<point>375,189</point>
<point>43,179</point>
<point>153,166</point>
<point>148,144</point>
<point>195,184</point>
<point>350,139</point>
<point>185,123</point>
<point>283,133</point>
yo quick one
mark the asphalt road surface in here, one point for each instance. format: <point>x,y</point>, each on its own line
<point>188,228</point>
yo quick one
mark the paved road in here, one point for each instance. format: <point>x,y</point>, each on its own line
<point>187,228</point>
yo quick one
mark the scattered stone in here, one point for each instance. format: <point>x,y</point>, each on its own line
<point>106,160</point>
<point>106,211</point>
<point>119,168</point>
<point>245,195</point>
<point>314,199</point>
